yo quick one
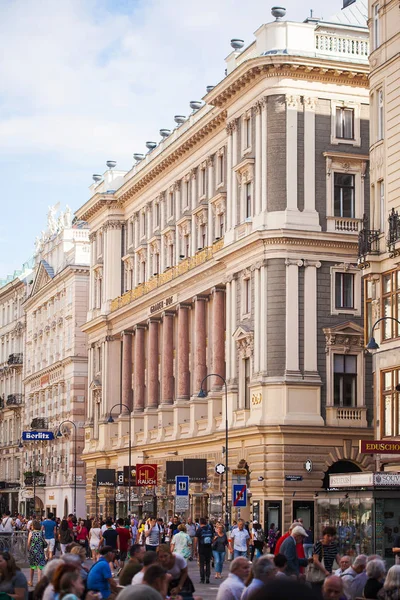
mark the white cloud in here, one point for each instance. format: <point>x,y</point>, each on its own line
<point>82,82</point>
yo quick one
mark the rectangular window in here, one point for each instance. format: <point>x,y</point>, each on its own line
<point>143,224</point>
<point>170,204</point>
<point>171,255</point>
<point>381,185</point>
<point>390,405</point>
<point>187,194</point>
<point>221,226</point>
<point>221,168</point>
<point>345,123</point>
<point>375,26</point>
<point>157,215</point>
<point>390,305</point>
<point>344,290</point>
<point>247,383</point>
<point>368,285</point>
<point>186,246</point>
<point>203,182</point>
<point>381,127</point>
<point>345,380</point>
<point>247,132</point>
<point>203,237</point>
<point>344,195</point>
<point>246,296</point>
<point>248,200</point>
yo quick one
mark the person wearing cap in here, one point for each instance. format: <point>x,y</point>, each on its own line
<point>288,549</point>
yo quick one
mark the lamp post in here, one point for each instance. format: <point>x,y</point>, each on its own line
<point>372,345</point>
<point>59,435</point>
<point>111,420</point>
<point>203,394</point>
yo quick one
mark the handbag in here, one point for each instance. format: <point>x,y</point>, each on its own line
<point>313,573</point>
<point>45,544</point>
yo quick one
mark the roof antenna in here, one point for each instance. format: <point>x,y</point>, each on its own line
<point>311,13</point>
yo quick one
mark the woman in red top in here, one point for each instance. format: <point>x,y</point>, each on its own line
<point>82,533</point>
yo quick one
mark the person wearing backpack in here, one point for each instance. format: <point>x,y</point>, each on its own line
<point>203,538</point>
<point>258,539</point>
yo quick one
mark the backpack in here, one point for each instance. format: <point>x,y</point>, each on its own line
<point>206,536</point>
<point>260,535</point>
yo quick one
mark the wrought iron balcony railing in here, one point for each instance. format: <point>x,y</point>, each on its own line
<point>15,359</point>
<point>368,242</point>
<point>14,400</point>
<point>394,232</point>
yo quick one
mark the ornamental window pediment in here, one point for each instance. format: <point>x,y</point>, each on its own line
<point>347,337</point>
<point>244,339</point>
<point>184,226</point>
<point>219,203</point>
<point>245,171</point>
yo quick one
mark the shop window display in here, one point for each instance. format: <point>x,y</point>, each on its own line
<point>352,518</point>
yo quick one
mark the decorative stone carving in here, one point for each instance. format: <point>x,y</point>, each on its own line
<point>210,161</point>
<point>294,261</point>
<point>244,342</point>
<point>293,102</point>
<point>113,225</point>
<point>310,103</point>
<point>177,186</point>
<point>345,337</point>
<point>232,126</point>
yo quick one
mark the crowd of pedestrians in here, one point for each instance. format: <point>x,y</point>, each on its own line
<point>149,559</point>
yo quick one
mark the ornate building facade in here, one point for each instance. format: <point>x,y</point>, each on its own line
<point>379,246</point>
<point>56,368</point>
<point>231,249</point>
<point>12,341</point>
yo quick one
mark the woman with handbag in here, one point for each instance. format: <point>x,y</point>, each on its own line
<point>219,544</point>
<point>36,546</point>
<point>324,553</point>
<point>65,535</point>
<point>82,533</point>
<point>180,582</point>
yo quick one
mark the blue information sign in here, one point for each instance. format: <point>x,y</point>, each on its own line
<point>239,495</point>
<point>182,485</point>
<point>37,436</point>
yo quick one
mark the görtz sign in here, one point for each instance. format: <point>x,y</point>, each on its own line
<point>380,447</point>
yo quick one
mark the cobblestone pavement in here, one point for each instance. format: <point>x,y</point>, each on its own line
<point>207,592</point>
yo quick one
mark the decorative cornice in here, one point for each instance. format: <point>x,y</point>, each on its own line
<point>310,103</point>
<point>303,69</point>
<point>232,126</point>
<point>294,261</point>
<point>293,101</point>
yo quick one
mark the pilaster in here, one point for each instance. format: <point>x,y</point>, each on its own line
<point>292,317</point>
<point>310,319</point>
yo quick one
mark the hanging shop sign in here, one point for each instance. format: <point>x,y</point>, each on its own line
<point>146,475</point>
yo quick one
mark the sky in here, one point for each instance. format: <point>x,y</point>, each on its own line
<point>86,81</point>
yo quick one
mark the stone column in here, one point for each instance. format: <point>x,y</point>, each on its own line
<point>310,316</point>
<point>112,260</point>
<point>218,335</point>
<point>264,154</point>
<point>167,392</point>
<point>183,372</point>
<point>200,334</point>
<point>292,316</point>
<point>309,153</point>
<point>292,103</point>
<point>228,176</point>
<point>232,174</point>
<point>152,364</point>
<point>139,367</point>
<point>126,392</point>
<point>258,159</point>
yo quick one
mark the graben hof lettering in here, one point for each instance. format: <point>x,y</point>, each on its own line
<point>162,304</point>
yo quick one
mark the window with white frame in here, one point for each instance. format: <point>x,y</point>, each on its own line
<point>344,290</point>
<point>380,119</point>
<point>203,236</point>
<point>246,131</point>
<point>203,182</point>
<point>221,225</point>
<point>157,211</point>
<point>375,27</point>
<point>248,200</point>
<point>247,376</point>
<point>171,203</point>
<point>382,212</point>
<point>344,123</point>
<point>187,194</point>
<point>171,255</point>
<point>344,205</point>
<point>246,296</point>
<point>345,380</point>
<point>220,168</point>
<point>143,224</point>
<point>186,246</point>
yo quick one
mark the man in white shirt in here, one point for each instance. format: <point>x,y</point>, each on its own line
<point>233,586</point>
<point>355,578</point>
<point>345,563</point>
<point>149,558</point>
<point>239,541</point>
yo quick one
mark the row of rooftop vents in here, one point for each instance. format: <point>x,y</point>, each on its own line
<point>237,44</point>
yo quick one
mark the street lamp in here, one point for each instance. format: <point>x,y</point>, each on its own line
<point>203,394</point>
<point>111,420</point>
<point>372,345</point>
<point>59,435</point>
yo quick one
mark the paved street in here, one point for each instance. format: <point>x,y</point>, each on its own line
<point>208,592</point>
